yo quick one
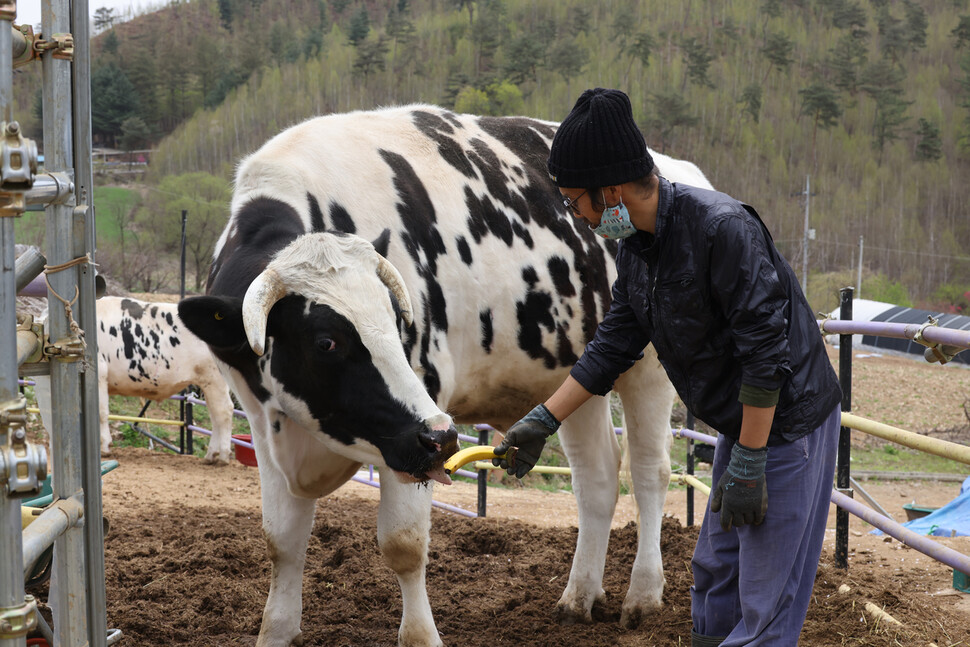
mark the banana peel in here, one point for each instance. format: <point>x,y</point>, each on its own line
<point>475,453</point>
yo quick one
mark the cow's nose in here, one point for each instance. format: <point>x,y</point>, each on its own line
<point>439,440</point>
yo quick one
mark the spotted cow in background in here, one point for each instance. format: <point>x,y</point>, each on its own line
<point>382,268</point>
<point>144,351</point>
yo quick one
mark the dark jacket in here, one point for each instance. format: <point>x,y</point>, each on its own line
<point>722,308</point>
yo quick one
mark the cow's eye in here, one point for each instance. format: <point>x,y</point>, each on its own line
<point>326,344</point>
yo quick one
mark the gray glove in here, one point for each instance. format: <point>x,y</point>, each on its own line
<point>525,439</point>
<point>741,490</point>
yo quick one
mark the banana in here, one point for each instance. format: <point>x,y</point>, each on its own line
<point>467,455</point>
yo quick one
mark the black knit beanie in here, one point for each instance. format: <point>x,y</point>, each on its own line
<point>598,143</point>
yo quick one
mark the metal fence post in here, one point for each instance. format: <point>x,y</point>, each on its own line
<point>845,434</point>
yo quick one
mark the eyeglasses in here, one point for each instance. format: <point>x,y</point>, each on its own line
<point>571,203</point>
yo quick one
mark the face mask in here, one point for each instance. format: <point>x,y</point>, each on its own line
<point>615,223</point>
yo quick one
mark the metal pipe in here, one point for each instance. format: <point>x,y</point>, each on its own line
<point>692,481</point>
<point>694,435</point>
<point>50,188</point>
<point>932,334</point>
<point>11,573</point>
<point>27,345</point>
<point>51,524</point>
<point>28,267</point>
<point>923,544</point>
<point>843,457</point>
<point>926,444</point>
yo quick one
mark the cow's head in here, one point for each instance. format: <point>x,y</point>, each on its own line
<point>317,339</point>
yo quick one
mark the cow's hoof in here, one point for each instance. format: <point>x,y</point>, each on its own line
<point>566,616</point>
<point>631,618</point>
<point>296,642</point>
<point>216,459</point>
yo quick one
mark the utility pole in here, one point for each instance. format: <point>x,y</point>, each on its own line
<point>809,235</point>
<point>858,280</point>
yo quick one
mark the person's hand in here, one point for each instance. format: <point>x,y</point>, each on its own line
<point>526,438</point>
<point>741,495</point>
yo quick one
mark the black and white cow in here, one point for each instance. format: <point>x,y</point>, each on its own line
<point>144,351</point>
<point>340,359</point>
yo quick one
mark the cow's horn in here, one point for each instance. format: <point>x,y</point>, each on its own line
<point>392,279</point>
<point>262,294</point>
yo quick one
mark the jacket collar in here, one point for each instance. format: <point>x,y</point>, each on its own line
<point>644,242</point>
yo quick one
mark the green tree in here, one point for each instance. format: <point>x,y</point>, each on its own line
<point>205,198</point>
<point>473,101</point>
<point>849,15</point>
<point>821,104</point>
<point>929,145</point>
<point>371,56</point>
<point>113,99</point>
<point>671,111</point>
<point>135,134</point>
<point>104,18</point>
<point>916,24</point>
<point>883,82</point>
<point>697,58</point>
<point>524,56</point>
<point>568,58</point>
<point>962,32</point>
<point>225,14</point>
<point>846,61</point>
<point>359,26</point>
<point>779,50</point>
<point>111,43</point>
<point>751,101</point>
<point>893,36</point>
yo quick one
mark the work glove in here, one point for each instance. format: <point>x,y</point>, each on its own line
<point>741,495</point>
<point>523,443</point>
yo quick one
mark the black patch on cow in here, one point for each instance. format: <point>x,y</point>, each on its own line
<point>173,341</point>
<point>437,305</point>
<point>488,333</point>
<point>439,130</point>
<point>153,312</point>
<point>261,227</point>
<point>493,172</point>
<point>484,218</point>
<point>522,234</point>
<point>533,313</point>
<point>530,276</point>
<point>277,426</point>
<point>316,215</point>
<point>113,331</point>
<point>564,347</point>
<point>559,271</point>
<point>464,251</point>
<point>133,308</point>
<point>341,219</point>
<point>169,319</point>
<point>383,242</point>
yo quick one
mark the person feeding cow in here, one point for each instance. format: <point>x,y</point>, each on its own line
<point>699,277</point>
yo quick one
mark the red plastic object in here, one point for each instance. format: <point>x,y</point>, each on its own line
<point>245,455</point>
<point>39,642</point>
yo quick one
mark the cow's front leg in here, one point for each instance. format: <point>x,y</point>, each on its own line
<point>647,397</point>
<point>220,413</point>
<point>403,527</point>
<point>590,444</point>
<point>287,521</point>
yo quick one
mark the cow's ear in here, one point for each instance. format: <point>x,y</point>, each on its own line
<point>215,320</point>
<point>382,242</point>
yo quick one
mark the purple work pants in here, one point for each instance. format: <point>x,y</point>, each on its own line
<point>752,584</point>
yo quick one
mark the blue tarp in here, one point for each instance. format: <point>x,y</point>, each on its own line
<point>953,519</point>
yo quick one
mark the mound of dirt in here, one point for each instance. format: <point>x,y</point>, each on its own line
<point>186,565</point>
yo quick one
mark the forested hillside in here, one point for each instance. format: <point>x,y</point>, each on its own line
<point>867,99</point>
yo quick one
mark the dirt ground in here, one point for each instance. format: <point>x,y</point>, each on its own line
<point>186,562</point>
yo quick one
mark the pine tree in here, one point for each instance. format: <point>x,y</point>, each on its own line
<point>962,32</point>
<point>359,27</point>
<point>778,50</point>
<point>929,146</point>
